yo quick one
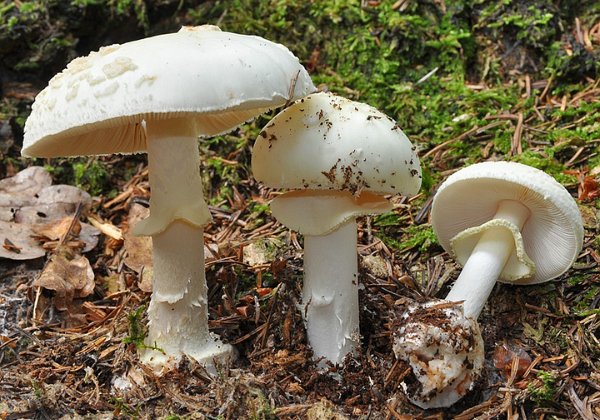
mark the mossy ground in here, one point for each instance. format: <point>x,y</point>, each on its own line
<point>466,80</point>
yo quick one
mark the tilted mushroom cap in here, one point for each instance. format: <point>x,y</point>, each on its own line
<point>551,237</point>
<point>221,79</point>
<point>326,142</point>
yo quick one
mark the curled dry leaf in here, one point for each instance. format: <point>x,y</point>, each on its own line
<point>52,232</point>
<point>57,230</point>
<point>589,189</point>
<point>34,241</point>
<point>504,355</point>
<point>70,277</point>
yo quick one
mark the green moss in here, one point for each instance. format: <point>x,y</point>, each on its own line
<point>584,301</point>
<point>138,331</point>
<point>543,392</point>
<point>547,164</point>
<point>256,215</point>
<point>260,405</point>
<point>387,219</point>
<point>135,7</point>
<point>529,24</point>
<point>427,180</point>
<point>91,176</point>
<point>418,237</point>
<point>536,333</point>
<point>122,408</point>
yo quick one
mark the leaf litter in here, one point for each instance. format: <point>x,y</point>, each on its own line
<point>543,340</point>
<point>34,215</point>
<point>253,294</point>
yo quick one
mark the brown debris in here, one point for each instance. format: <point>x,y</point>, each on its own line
<point>69,278</point>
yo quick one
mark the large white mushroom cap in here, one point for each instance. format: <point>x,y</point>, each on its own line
<point>221,79</point>
<point>326,142</point>
<point>551,238</point>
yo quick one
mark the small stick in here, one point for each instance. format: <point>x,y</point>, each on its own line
<point>292,89</point>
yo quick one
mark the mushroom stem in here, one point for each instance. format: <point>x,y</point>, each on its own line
<point>481,271</point>
<point>330,292</point>
<point>174,174</point>
<point>178,323</point>
<point>178,313</point>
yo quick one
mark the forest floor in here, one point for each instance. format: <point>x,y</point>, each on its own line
<point>466,81</point>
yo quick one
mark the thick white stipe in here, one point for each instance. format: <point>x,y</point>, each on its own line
<point>330,292</point>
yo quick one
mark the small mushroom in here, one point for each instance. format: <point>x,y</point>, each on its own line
<point>159,95</point>
<point>339,157</point>
<point>502,221</point>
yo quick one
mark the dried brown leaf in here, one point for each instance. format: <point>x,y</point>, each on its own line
<point>58,229</point>
<point>504,355</point>
<point>69,278</point>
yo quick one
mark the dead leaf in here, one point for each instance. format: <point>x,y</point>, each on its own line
<point>21,189</point>
<point>139,251</point>
<point>21,237</point>
<point>139,248</point>
<point>34,241</point>
<point>69,278</point>
<point>57,229</point>
<point>589,189</point>
<point>145,279</point>
<point>53,202</point>
<point>139,259</point>
<point>28,199</point>
<point>137,212</point>
<point>26,183</point>
<point>503,359</point>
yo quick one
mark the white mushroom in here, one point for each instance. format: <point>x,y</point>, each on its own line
<point>503,221</point>
<point>159,95</point>
<point>340,157</point>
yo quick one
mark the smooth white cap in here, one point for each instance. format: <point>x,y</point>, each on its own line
<point>326,142</point>
<point>221,79</point>
<point>551,237</point>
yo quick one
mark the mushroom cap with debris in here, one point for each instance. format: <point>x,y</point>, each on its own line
<point>339,156</point>
<point>96,105</point>
<point>326,142</point>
